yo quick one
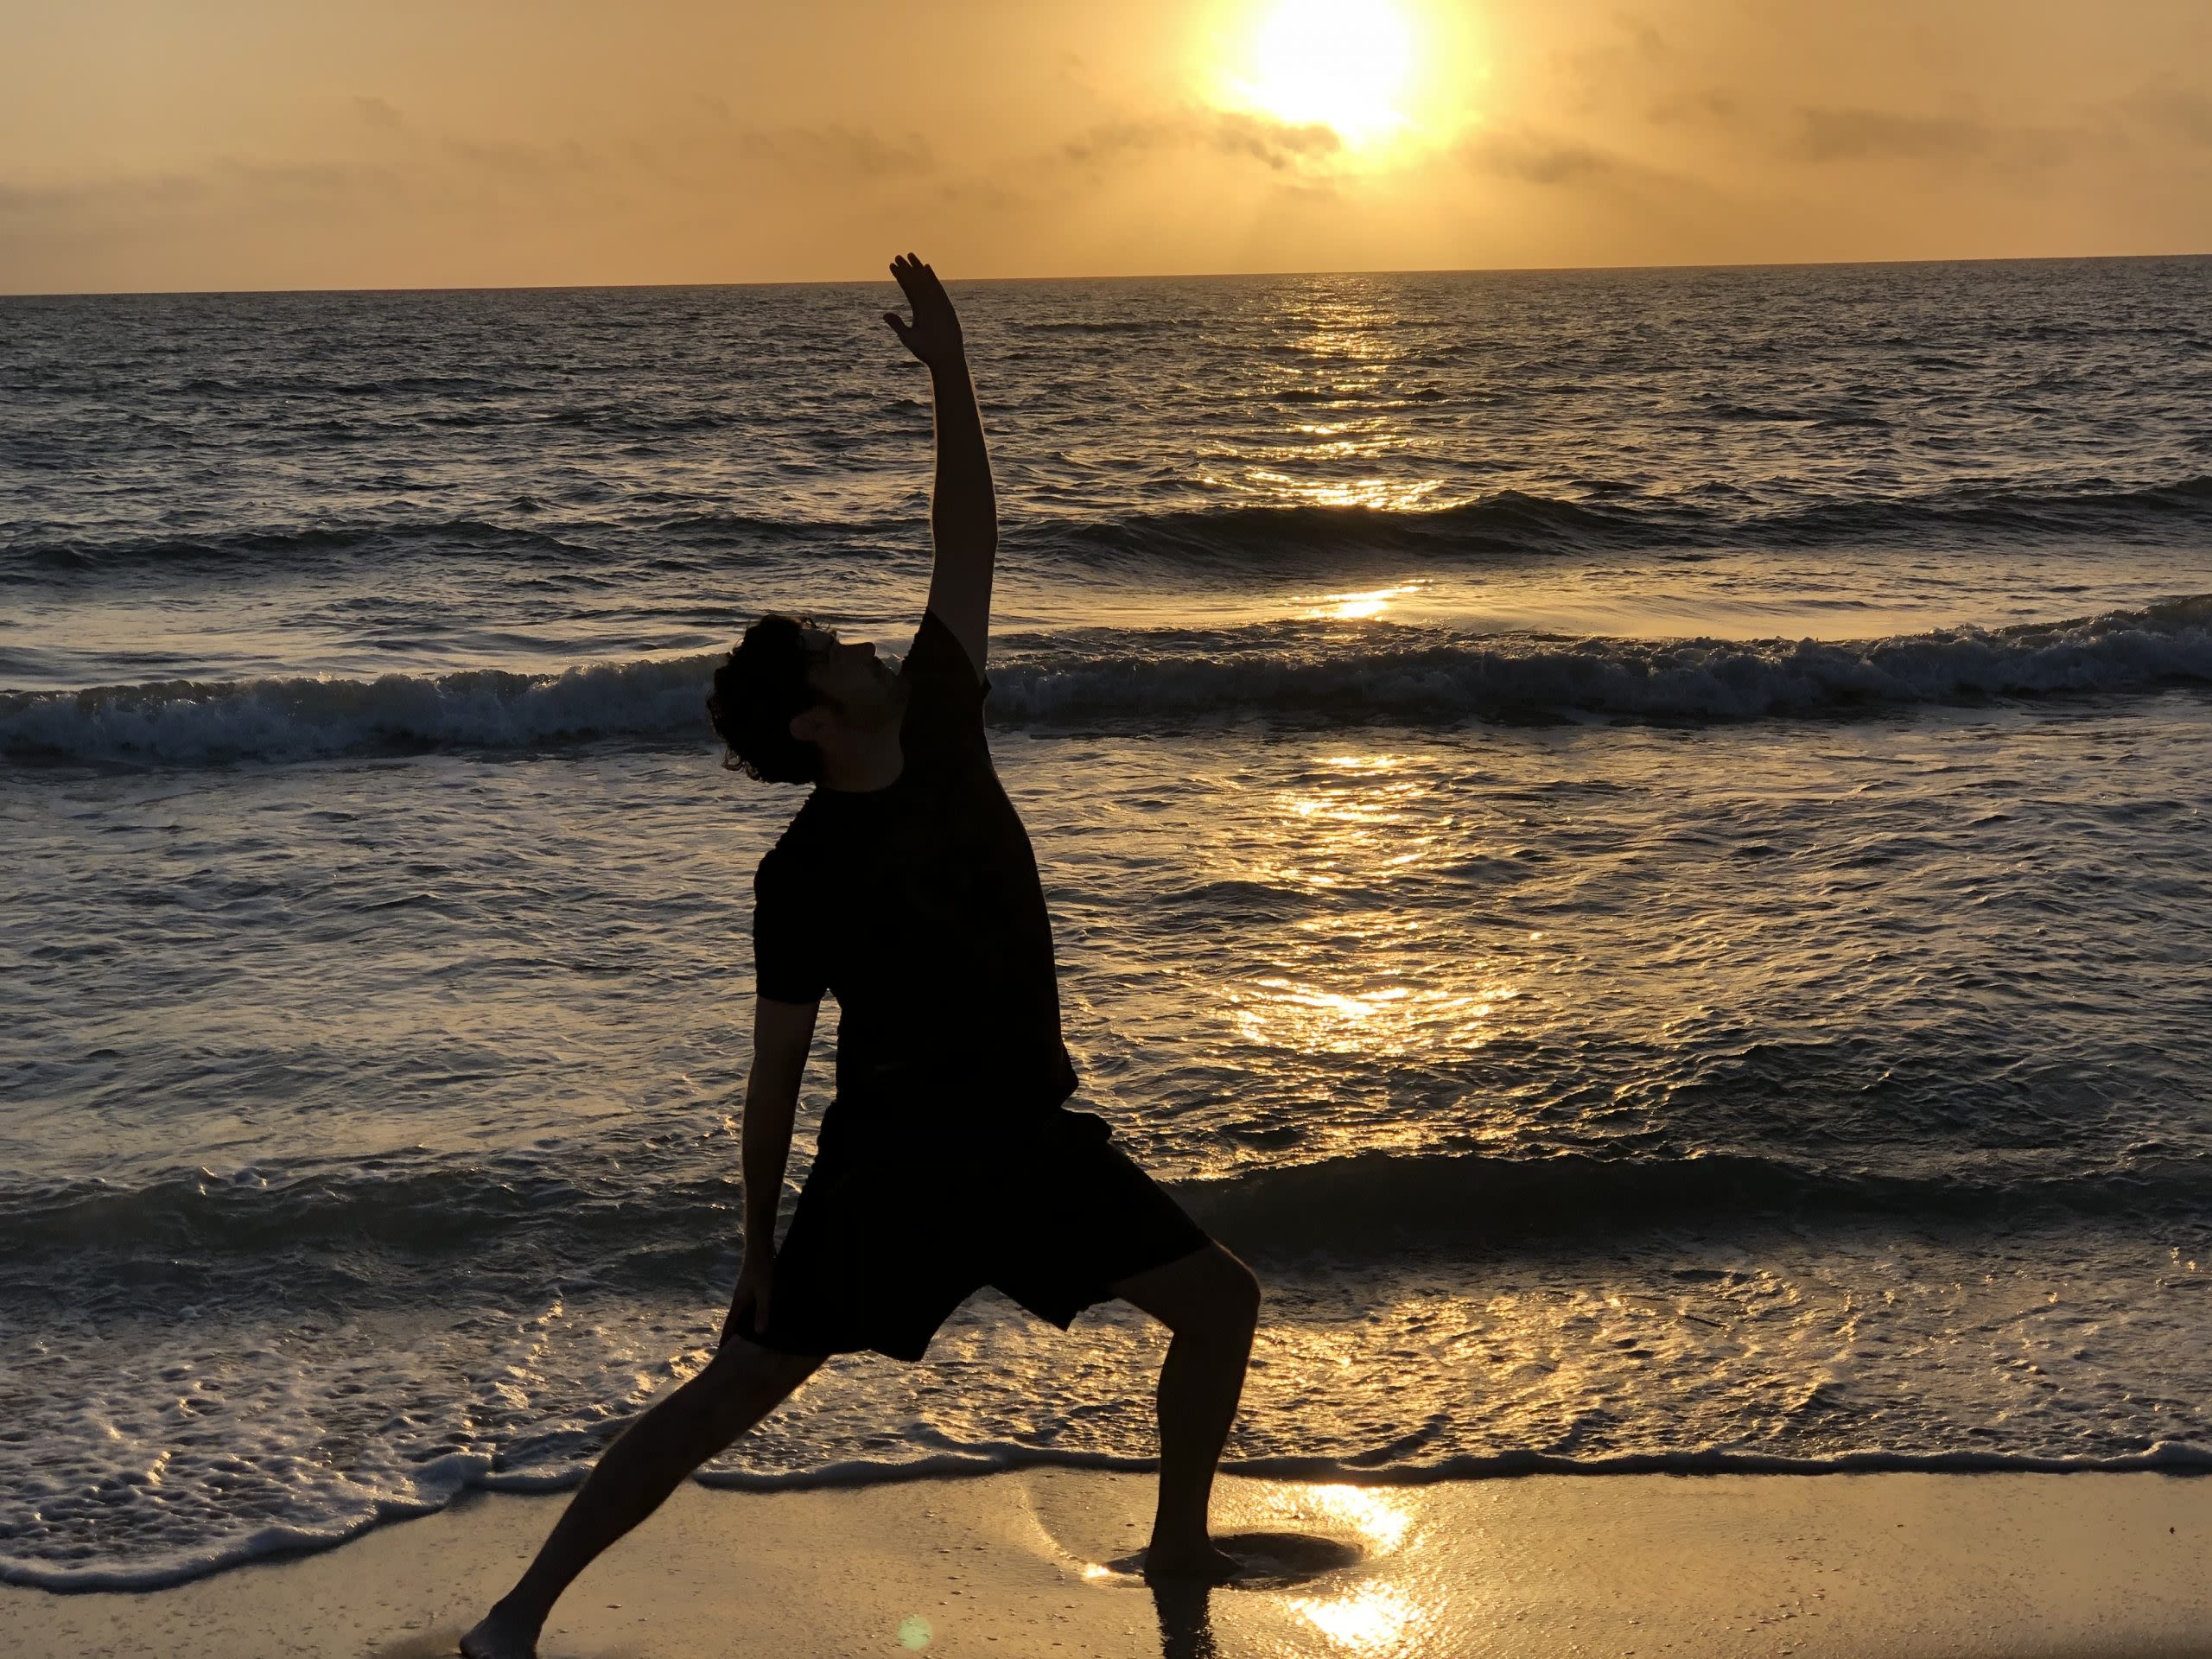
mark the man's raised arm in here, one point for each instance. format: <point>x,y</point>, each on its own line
<point>964,511</point>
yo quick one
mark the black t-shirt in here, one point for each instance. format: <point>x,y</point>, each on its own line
<point>918,905</point>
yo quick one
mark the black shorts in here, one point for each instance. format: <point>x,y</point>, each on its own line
<point>885,1243</point>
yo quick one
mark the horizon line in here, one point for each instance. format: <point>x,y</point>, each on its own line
<point>1132,276</point>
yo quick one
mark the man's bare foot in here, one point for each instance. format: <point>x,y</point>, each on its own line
<point>1200,1563</point>
<point>501,1635</point>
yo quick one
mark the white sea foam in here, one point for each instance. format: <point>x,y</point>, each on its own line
<point>1380,674</point>
<point>321,1514</point>
<point>228,1434</point>
<point>1669,679</point>
<point>184,722</point>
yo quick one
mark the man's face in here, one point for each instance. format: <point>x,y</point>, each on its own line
<point>852,677</point>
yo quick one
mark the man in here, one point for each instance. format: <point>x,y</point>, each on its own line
<point>948,1160</point>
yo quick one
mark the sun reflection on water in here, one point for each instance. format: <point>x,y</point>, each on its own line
<point>1356,977</point>
<point>1380,1519</point>
<point>1367,1617</point>
<point>1360,606</point>
<point>1383,494</point>
<point>1375,1619</point>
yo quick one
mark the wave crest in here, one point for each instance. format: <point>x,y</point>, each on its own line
<point>652,1221</point>
<point>1239,673</point>
<point>1254,672</point>
<point>1695,679</point>
<point>186,722</point>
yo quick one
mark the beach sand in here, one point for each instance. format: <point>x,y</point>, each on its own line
<point>1868,1566</point>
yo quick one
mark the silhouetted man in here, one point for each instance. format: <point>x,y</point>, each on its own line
<point>948,1160</point>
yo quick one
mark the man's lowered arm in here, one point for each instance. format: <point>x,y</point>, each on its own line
<point>782,1033</point>
<point>963,509</point>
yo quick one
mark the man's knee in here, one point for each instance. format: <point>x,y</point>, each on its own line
<point>1208,1294</point>
<point>744,1378</point>
<point>1240,1294</point>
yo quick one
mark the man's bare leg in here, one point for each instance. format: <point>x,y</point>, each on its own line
<point>1211,1302</point>
<point>741,1384</point>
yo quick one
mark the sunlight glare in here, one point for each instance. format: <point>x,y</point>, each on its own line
<point>1361,606</point>
<point>1371,1620</point>
<point>1346,64</point>
<point>1381,1520</point>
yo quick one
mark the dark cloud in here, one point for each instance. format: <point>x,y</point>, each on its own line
<point>1537,158</point>
<point>1828,134</point>
<point>1646,41</point>
<point>838,152</point>
<point>1859,135</point>
<point>226,183</point>
<point>60,200</point>
<point>520,161</point>
<point>1280,146</point>
<point>2186,115</point>
<point>380,113</point>
<point>987,196</point>
<point>297,180</point>
<point>1685,109</point>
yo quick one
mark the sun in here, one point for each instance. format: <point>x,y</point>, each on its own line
<point>1346,64</point>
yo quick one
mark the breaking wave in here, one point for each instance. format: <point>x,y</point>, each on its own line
<point>1381,673</point>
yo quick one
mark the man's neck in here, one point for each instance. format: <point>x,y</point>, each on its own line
<point>864,767</point>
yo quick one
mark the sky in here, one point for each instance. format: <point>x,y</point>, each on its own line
<point>187,144</point>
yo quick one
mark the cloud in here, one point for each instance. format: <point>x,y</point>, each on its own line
<point>226,183</point>
<point>1830,135</point>
<point>129,193</point>
<point>838,152</point>
<point>1280,146</point>
<point>1684,109</point>
<point>379,113</point>
<point>1825,135</point>
<point>1536,158</point>
<point>2188,115</point>
<point>520,161</point>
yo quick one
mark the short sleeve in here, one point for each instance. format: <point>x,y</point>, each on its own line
<point>944,707</point>
<point>787,932</point>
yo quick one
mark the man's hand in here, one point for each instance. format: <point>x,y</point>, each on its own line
<point>748,1303</point>
<point>934,334</point>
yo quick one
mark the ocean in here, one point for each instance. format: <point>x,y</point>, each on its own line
<point>1638,841</point>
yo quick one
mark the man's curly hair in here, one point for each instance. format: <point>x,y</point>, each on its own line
<point>757,689</point>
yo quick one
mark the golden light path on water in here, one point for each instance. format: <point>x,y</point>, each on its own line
<point>1346,990</point>
<point>1341,355</point>
<point>1342,987</point>
<point>1362,606</point>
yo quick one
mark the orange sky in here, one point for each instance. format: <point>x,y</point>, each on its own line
<point>152,145</point>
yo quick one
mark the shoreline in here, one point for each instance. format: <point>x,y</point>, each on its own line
<point>283,1543</point>
<point>1873,1566</point>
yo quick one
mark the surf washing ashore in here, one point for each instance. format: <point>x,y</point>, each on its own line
<point>1631,840</point>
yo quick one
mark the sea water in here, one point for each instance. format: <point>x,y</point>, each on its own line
<point>1637,842</point>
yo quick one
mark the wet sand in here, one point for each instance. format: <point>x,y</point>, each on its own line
<point>1872,1566</point>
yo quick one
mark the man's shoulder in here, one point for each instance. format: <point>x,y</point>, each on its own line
<point>795,851</point>
<point>941,677</point>
<point>938,654</point>
<point>942,731</point>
